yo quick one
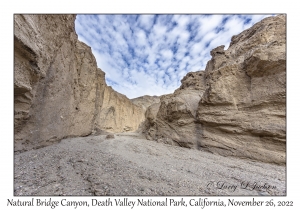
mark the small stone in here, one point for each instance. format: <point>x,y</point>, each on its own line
<point>110,136</point>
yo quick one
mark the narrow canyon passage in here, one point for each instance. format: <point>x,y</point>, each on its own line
<point>131,165</point>
<point>221,132</point>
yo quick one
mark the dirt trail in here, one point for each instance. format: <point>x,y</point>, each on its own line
<point>131,165</point>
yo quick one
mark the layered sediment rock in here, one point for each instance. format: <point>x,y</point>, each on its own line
<point>149,104</point>
<point>237,106</point>
<point>145,101</point>
<point>58,89</point>
<point>118,113</point>
<point>243,109</point>
<point>173,120</point>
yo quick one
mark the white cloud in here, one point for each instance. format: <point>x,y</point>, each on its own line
<point>150,54</point>
<point>141,38</point>
<point>208,23</point>
<point>182,20</point>
<point>146,21</point>
<point>167,54</point>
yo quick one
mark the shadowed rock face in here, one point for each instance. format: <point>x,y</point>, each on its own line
<point>58,89</point>
<point>237,106</point>
<point>173,120</point>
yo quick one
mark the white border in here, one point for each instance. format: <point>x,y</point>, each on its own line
<point>140,6</point>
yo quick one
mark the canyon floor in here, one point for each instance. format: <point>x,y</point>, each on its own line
<point>132,165</point>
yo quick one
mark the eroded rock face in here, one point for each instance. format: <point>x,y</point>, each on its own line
<point>237,105</point>
<point>173,120</point>
<point>150,105</point>
<point>243,109</point>
<point>118,113</point>
<point>58,89</point>
<point>145,101</point>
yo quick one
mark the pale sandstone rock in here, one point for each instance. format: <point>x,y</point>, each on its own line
<point>237,106</point>
<point>118,113</point>
<point>58,89</point>
<point>243,109</point>
<point>145,101</point>
<point>173,120</point>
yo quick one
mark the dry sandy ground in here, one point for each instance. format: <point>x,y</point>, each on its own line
<point>131,165</point>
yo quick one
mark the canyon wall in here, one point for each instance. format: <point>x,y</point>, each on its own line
<point>173,120</point>
<point>146,101</point>
<point>237,106</point>
<point>118,113</point>
<point>58,90</point>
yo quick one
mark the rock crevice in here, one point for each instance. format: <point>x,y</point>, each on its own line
<point>58,90</point>
<point>236,106</point>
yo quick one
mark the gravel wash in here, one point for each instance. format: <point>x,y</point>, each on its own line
<point>132,165</point>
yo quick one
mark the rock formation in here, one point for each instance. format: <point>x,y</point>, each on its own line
<point>118,113</point>
<point>58,89</point>
<point>145,101</point>
<point>243,110</point>
<point>173,120</point>
<point>237,106</point>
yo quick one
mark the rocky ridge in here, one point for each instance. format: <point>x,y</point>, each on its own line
<point>237,106</point>
<point>145,101</point>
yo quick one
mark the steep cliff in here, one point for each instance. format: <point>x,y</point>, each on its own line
<point>58,89</point>
<point>237,106</point>
<point>118,113</point>
<point>243,109</point>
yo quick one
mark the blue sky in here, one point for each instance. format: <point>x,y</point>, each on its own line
<point>150,54</point>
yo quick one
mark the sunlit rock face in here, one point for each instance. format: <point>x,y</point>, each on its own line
<point>237,106</point>
<point>146,101</point>
<point>58,89</point>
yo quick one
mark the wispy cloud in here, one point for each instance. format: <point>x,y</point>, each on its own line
<point>149,54</point>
